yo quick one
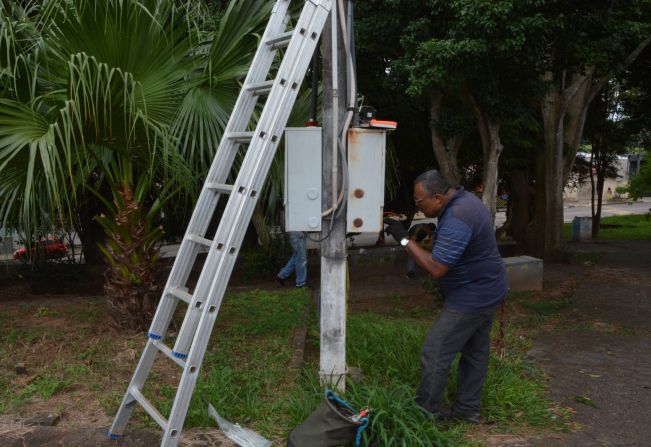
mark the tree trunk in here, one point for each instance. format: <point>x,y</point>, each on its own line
<point>553,121</point>
<point>592,189</point>
<point>598,165</point>
<point>491,163</point>
<point>535,237</point>
<point>89,231</point>
<point>596,219</point>
<point>445,152</point>
<point>520,207</point>
<point>130,286</point>
<point>577,111</point>
<point>489,131</point>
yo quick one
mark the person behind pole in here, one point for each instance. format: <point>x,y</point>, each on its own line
<point>473,282</point>
<point>298,261</point>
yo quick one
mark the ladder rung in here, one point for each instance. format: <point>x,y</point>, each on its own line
<point>241,137</point>
<point>200,240</point>
<point>148,407</point>
<point>260,88</point>
<point>168,352</point>
<point>280,40</point>
<point>181,294</point>
<point>221,188</point>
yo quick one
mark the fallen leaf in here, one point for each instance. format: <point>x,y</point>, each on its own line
<point>585,401</point>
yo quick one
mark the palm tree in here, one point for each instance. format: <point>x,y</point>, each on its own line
<point>148,84</point>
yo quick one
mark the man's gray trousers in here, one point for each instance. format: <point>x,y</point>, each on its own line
<point>467,332</point>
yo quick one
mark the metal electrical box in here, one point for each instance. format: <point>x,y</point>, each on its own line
<point>366,154</point>
<point>303,178</point>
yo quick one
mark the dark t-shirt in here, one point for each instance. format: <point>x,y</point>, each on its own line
<point>465,242</point>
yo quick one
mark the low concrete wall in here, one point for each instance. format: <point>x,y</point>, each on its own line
<point>525,273</point>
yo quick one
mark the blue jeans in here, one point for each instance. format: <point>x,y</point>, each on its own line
<point>411,265</point>
<point>298,261</point>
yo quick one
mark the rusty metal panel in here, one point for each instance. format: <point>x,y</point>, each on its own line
<point>366,154</point>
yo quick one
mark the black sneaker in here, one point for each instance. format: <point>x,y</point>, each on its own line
<point>454,417</point>
<point>280,281</point>
<point>411,275</point>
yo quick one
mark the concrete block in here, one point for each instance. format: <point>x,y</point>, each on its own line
<point>525,273</point>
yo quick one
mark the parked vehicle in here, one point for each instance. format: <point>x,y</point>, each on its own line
<point>49,248</point>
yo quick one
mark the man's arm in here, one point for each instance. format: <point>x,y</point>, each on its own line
<point>423,259</point>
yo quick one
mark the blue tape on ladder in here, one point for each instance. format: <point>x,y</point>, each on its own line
<point>113,436</point>
<point>178,355</point>
<point>154,336</point>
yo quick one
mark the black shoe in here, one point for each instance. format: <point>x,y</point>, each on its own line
<point>280,281</point>
<point>454,417</point>
<point>411,275</point>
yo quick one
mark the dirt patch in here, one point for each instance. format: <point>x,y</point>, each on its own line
<point>600,365</point>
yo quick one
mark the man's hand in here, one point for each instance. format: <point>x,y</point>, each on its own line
<point>396,229</point>
<point>422,231</point>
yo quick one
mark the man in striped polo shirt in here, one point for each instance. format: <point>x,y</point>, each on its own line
<point>473,282</point>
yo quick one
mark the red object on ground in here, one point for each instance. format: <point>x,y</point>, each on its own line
<point>45,248</point>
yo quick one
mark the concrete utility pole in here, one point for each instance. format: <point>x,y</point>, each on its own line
<point>332,370</point>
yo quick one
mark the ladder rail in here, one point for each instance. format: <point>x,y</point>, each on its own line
<point>250,178</point>
<point>219,170</point>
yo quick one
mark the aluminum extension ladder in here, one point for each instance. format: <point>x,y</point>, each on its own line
<point>206,298</point>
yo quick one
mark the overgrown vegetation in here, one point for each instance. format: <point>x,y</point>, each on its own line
<point>266,261</point>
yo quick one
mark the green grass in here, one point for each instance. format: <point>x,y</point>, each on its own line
<point>387,349</point>
<point>245,371</point>
<point>547,308</point>
<point>45,387</point>
<point>632,227</point>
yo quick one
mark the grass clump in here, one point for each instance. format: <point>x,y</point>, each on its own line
<point>244,370</point>
<point>387,350</point>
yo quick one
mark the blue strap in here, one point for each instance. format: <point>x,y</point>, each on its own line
<point>360,430</point>
<point>332,396</point>
<point>363,421</point>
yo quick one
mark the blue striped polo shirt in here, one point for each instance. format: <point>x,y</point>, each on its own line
<point>465,242</point>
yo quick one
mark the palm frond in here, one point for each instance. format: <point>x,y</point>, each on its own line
<point>236,39</point>
<point>31,166</point>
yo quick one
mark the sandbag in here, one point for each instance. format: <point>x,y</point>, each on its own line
<point>333,424</point>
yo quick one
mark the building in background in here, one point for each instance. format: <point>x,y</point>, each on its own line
<point>579,187</point>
